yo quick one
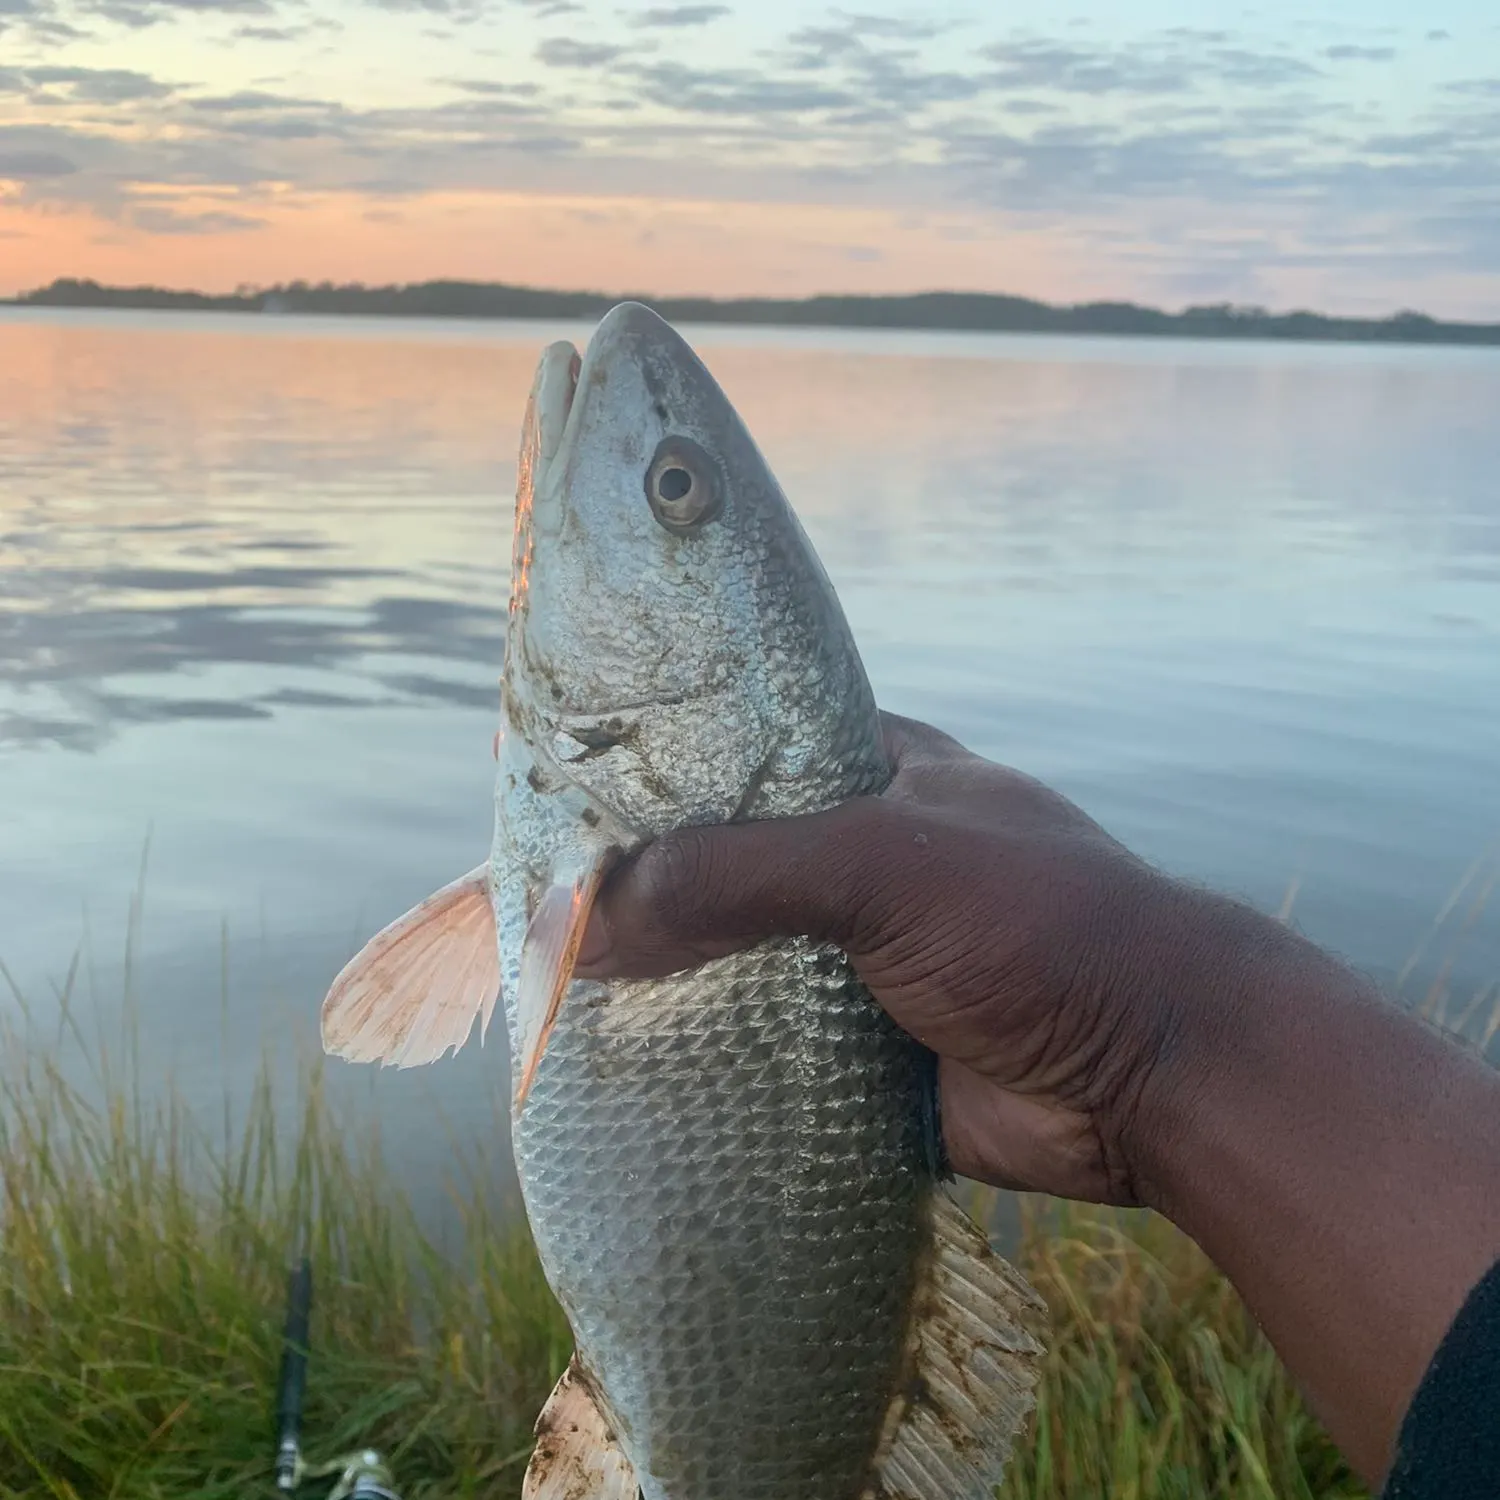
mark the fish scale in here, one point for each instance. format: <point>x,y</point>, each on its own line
<point>750,1136</point>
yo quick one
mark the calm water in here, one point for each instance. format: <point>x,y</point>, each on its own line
<point>1242,602</point>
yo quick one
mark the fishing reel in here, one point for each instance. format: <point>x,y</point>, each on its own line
<point>360,1476</point>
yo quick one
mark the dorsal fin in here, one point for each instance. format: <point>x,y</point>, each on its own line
<point>979,1340</point>
<point>576,1456</point>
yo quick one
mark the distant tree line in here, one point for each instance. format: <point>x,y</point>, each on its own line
<point>977,312</point>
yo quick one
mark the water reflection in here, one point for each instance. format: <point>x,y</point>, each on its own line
<point>178,492</point>
<point>178,499</point>
<point>1241,601</point>
<point>81,662</point>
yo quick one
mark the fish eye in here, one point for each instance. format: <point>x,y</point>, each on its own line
<point>682,485</point>
<point>674,484</point>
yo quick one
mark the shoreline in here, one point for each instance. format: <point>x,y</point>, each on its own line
<point>926,312</point>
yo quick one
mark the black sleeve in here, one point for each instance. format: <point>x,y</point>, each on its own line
<point>1449,1446</point>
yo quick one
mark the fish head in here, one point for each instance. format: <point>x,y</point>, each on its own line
<point>674,642</point>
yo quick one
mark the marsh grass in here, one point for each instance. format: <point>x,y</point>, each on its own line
<point>142,1282</point>
<point>1158,1385</point>
<point>143,1268</point>
<point>143,1260</point>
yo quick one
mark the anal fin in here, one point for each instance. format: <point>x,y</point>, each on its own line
<point>576,1455</point>
<point>978,1344</point>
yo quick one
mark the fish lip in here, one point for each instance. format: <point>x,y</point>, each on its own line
<point>563,382</point>
<point>575,369</point>
<point>556,397</point>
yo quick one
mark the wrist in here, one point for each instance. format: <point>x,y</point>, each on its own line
<point>1224,991</point>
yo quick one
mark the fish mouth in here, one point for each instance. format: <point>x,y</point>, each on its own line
<point>629,333</point>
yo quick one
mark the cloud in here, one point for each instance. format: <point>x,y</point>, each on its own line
<point>1484,88</point>
<point>1178,66</point>
<point>85,149</point>
<point>37,19</point>
<point>157,219</point>
<point>279,127</point>
<point>272,33</point>
<point>250,100</point>
<point>139,14</point>
<point>881,64</point>
<point>25,164</point>
<point>682,15</point>
<point>1159,138</point>
<point>835,116</point>
<point>738,91</point>
<point>568,52</point>
<point>211,7</point>
<point>1313,210</point>
<point>897,28</point>
<point>846,111</point>
<point>1247,68</point>
<point>1057,66</point>
<point>98,85</point>
<point>1473,232</point>
<point>492,89</point>
<point>1348,52</point>
<point>452,10</point>
<point>846,39</point>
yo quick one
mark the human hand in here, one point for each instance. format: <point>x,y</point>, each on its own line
<point>1048,967</point>
<point>1107,1033</point>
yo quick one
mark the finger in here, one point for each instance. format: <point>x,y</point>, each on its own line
<point>1023,1142</point>
<point>700,893</point>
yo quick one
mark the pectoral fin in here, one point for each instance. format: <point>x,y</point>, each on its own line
<point>576,1455</point>
<point>547,958</point>
<point>415,989</point>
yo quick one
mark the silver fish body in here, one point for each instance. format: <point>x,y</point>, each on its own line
<point>725,1172</point>
<point>724,1178</point>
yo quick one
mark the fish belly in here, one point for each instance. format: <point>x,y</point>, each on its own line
<point>725,1177</point>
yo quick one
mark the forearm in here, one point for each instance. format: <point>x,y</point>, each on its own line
<point>1338,1160</point>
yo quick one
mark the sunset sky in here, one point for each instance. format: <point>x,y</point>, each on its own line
<point>1343,155</point>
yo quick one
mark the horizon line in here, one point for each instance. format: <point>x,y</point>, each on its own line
<point>932,310</point>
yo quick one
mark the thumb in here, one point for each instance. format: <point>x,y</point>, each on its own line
<point>699,893</point>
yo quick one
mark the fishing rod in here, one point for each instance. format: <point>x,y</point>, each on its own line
<point>362,1475</point>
